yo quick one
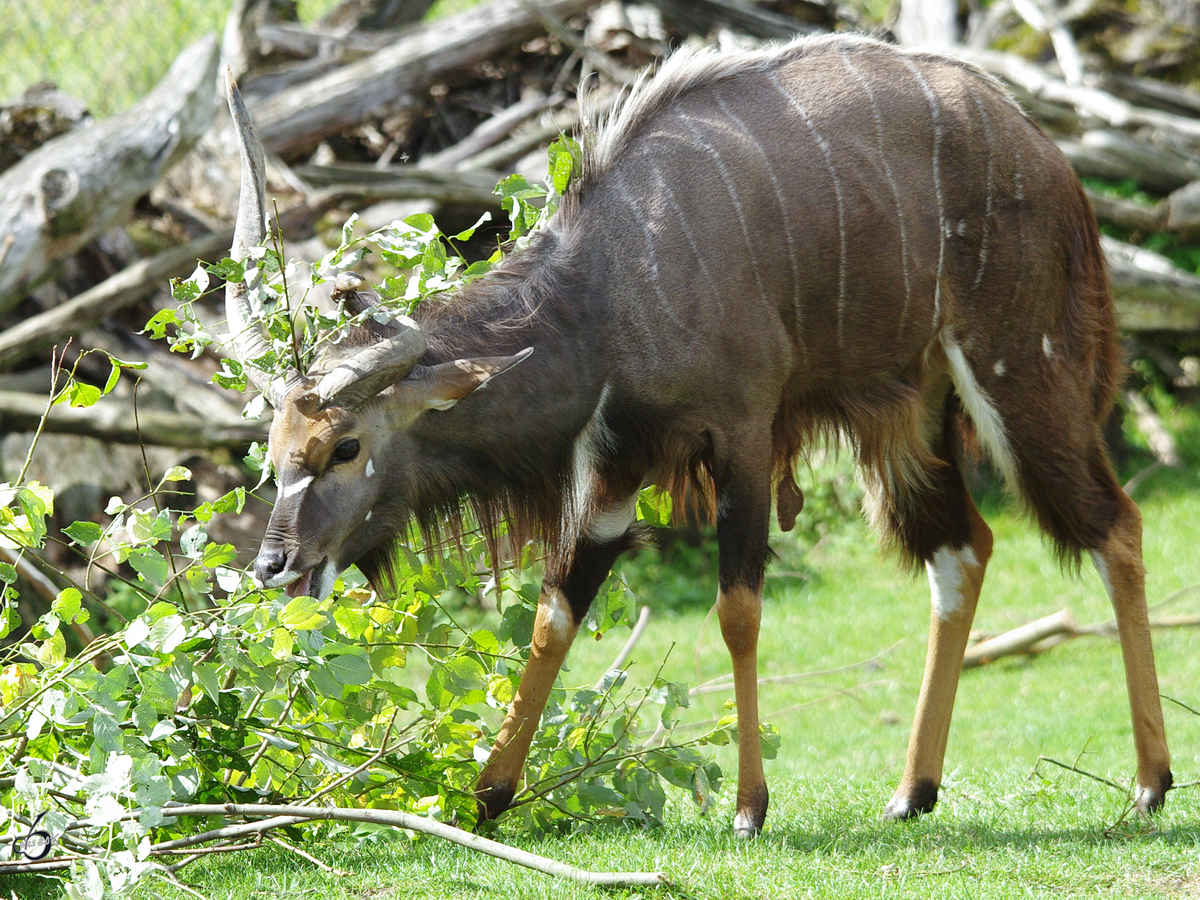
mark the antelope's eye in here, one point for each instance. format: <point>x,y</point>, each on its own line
<point>345,451</point>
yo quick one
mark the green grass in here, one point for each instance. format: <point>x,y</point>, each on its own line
<point>107,53</point>
<point>1007,824</point>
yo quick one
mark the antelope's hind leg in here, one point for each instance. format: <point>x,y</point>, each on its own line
<point>937,523</point>
<point>566,594</point>
<point>1119,562</point>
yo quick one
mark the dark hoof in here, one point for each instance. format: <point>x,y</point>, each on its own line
<point>913,803</point>
<point>492,801</point>
<point>1151,799</point>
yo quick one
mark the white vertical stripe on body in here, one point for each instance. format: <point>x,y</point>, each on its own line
<point>827,153</point>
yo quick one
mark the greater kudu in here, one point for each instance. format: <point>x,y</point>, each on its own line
<point>831,238</point>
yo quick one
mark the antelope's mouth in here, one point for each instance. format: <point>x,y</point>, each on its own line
<point>316,582</point>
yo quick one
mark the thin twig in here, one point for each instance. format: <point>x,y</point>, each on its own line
<point>1084,773</point>
<point>312,859</point>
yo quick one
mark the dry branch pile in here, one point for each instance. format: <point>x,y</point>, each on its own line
<point>374,110</point>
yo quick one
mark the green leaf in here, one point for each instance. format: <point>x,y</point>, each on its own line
<point>218,555</point>
<point>84,533</point>
<point>176,473</point>
<point>157,326</point>
<point>8,573</point>
<point>462,675</point>
<point>113,377</point>
<point>150,565</point>
<point>228,270</point>
<point>68,606</point>
<point>351,667</point>
<point>52,652</point>
<point>83,395</point>
<point>422,222</point>
<point>302,614</point>
<point>351,621</point>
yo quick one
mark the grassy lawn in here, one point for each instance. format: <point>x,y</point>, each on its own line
<point>1007,825</point>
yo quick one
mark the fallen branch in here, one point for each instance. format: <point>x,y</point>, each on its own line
<point>638,628</point>
<point>299,117</point>
<point>1151,294</point>
<point>1019,640</point>
<point>423,825</point>
<point>38,332</point>
<point>1160,441</point>
<point>113,420</point>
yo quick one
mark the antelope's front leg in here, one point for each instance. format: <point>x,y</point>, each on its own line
<point>955,571</point>
<point>562,604</point>
<point>743,507</point>
<point>554,629</point>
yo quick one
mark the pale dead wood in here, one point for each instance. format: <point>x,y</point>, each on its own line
<point>1036,82</point>
<point>639,627</point>
<point>1019,639</point>
<point>1160,441</point>
<point>599,59</point>
<point>423,825</point>
<point>489,131</point>
<point>1127,213</point>
<point>367,182</point>
<point>299,117</point>
<point>1151,293</point>
<point>113,420</point>
<point>128,286</point>
<point>704,16</point>
<point>1114,155</point>
<point>75,187</point>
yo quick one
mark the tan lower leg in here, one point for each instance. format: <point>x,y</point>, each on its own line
<point>739,610</point>
<point>554,629</point>
<point>955,578</point>
<point>1119,562</point>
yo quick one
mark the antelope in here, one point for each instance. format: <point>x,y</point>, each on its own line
<point>831,239</point>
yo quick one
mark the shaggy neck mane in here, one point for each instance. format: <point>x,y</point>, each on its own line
<point>510,470</point>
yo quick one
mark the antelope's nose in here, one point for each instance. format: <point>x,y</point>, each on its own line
<point>270,562</point>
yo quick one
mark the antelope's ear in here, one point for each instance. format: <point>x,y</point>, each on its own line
<point>441,386</point>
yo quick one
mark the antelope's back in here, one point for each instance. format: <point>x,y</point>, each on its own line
<point>821,210</point>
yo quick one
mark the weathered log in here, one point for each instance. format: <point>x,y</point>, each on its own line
<point>1114,155</point>
<point>376,15</point>
<point>1034,81</point>
<point>167,373</point>
<point>1182,209</point>
<point>489,132</point>
<point>78,186</point>
<point>703,16</point>
<point>39,115</point>
<point>1019,640</point>
<point>1127,213</point>
<point>1153,93</point>
<point>38,332</point>
<point>113,420</point>
<point>242,45</point>
<point>1158,438</point>
<point>599,60</point>
<point>931,24</point>
<point>368,182</point>
<point>1150,292</point>
<point>388,80</point>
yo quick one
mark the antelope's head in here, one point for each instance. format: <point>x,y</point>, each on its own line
<point>340,442</point>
